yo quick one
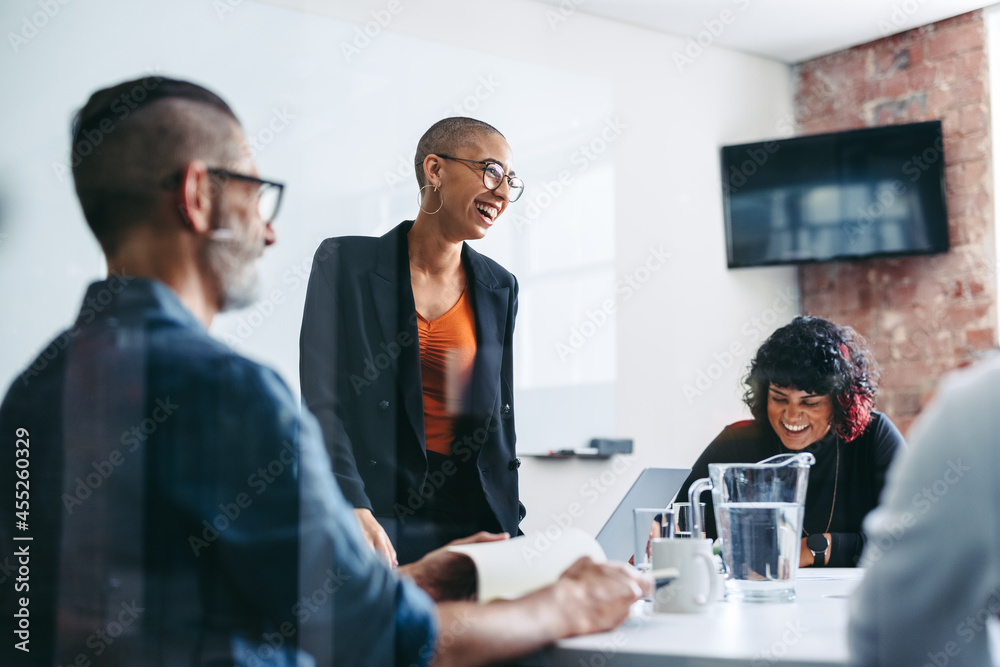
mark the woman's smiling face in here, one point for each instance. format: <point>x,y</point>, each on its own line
<point>469,206</point>
<point>798,417</point>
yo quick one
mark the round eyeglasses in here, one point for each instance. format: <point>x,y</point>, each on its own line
<point>493,176</point>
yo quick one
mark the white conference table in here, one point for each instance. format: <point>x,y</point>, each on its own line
<point>811,631</point>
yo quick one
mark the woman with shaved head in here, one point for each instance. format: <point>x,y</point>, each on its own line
<point>406,355</point>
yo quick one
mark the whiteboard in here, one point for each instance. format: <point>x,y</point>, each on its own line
<point>339,127</point>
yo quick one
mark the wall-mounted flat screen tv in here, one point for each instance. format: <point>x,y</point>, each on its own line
<point>876,192</point>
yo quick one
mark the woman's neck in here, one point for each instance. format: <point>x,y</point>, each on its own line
<point>430,252</point>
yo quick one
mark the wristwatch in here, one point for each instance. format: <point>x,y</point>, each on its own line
<point>818,545</point>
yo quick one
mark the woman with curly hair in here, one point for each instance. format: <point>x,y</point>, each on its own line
<point>811,387</point>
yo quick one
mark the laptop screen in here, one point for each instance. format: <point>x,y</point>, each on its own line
<point>655,487</point>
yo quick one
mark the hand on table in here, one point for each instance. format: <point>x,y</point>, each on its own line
<point>375,536</point>
<point>596,597</point>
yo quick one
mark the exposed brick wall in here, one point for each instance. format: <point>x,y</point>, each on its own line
<point>922,315</point>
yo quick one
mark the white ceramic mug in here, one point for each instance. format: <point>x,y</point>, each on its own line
<point>694,589</point>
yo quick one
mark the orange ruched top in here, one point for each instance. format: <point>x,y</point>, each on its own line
<point>447,356</point>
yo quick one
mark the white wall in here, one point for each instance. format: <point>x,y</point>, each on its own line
<point>691,312</point>
<point>659,180</point>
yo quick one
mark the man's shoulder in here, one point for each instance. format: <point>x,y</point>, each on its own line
<point>982,378</point>
<point>47,362</point>
<point>963,413</point>
<point>177,362</point>
<point>188,357</point>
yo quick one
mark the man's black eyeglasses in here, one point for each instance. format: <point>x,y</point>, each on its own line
<point>493,176</point>
<point>268,192</point>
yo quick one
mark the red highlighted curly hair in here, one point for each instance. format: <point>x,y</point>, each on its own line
<point>815,355</point>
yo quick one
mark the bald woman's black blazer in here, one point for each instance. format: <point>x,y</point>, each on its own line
<point>360,373</point>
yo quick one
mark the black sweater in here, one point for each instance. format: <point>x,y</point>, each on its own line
<point>863,464</point>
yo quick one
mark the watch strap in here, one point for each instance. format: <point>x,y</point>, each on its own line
<point>819,557</point>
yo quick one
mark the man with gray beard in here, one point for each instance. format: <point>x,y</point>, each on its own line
<point>165,500</point>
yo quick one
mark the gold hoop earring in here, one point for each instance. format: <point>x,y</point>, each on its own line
<point>420,200</point>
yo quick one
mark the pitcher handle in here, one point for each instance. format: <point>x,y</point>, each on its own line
<point>802,458</point>
<point>697,488</point>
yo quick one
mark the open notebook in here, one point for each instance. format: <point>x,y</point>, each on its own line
<point>515,567</point>
<point>520,565</point>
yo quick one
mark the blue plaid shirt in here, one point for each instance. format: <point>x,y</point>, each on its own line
<point>180,508</point>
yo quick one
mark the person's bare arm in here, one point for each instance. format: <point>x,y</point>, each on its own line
<point>589,597</point>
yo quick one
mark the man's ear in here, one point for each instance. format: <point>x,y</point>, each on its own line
<point>194,196</point>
